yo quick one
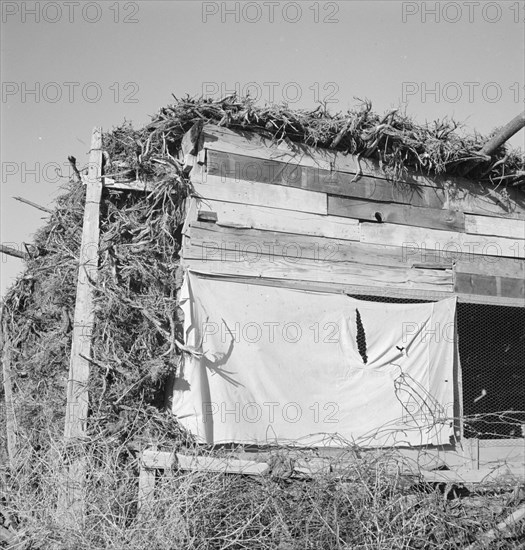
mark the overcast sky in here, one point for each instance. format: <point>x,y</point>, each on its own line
<point>68,66</point>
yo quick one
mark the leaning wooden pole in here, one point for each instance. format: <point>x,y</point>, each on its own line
<point>72,505</point>
<point>514,126</point>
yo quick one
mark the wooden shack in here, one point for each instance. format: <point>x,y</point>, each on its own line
<point>290,216</point>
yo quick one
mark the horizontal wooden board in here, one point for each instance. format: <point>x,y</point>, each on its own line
<point>460,193</point>
<point>238,167</point>
<point>396,213</point>
<point>208,240</point>
<point>261,194</point>
<point>276,219</point>
<point>495,266</point>
<point>499,227</point>
<point>483,475</point>
<point>373,291</point>
<point>404,236</point>
<point>486,285</point>
<point>255,145</point>
<point>254,265</point>
<point>227,465</point>
<point>239,227</point>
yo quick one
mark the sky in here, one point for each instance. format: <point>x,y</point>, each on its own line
<point>69,66</point>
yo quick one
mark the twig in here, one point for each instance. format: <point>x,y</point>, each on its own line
<point>33,204</point>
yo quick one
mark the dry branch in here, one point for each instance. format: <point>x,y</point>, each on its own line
<point>33,204</point>
<point>13,252</point>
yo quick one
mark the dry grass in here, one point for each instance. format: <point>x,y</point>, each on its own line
<point>362,504</point>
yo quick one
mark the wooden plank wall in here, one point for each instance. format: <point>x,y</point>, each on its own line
<point>296,215</point>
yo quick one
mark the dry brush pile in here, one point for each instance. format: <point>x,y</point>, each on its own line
<point>136,351</point>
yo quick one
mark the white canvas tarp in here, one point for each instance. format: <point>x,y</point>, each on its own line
<point>273,365</point>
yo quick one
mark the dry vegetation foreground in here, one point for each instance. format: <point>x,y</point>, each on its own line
<point>361,504</point>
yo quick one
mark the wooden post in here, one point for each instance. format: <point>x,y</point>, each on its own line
<point>12,447</point>
<point>71,500</point>
<point>515,125</point>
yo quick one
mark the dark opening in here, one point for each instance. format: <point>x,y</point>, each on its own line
<point>361,337</point>
<point>491,343</point>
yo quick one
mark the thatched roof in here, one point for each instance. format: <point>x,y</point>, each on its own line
<point>396,141</point>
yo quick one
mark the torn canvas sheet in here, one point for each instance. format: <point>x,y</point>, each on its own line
<point>275,365</point>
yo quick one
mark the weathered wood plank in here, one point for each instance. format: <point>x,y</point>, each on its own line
<point>161,460</point>
<point>77,393</point>
<point>507,451</point>
<point>340,288</point>
<point>346,273</point>
<point>238,238</point>
<point>498,227</point>
<point>261,194</point>
<point>227,465</point>
<point>72,499</point>
<point>222,139</point>
<point>404,236</point>
<point>460,193</point>
<point>495,266</point>
<point>448,220</point>
<point>229,166</point>
<point>285,221</point>
<point>146,493</point>
<point>10,415</point>
<point>483,475</point>
<point>209,240</point>
<point>486,285</point>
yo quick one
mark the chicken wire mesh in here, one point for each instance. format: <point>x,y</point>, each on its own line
<point>491,342</point>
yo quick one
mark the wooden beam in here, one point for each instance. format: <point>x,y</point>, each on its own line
<point>435,239</point>
<point>483,475</point>
<point>344,273</point>
<point>226,465</point>
<point>13,252</point>
<point>487,285</point>
<point>253,144</point>
<point>146,493</point>
<point>229,166</point>
<point>454,193</point>
<point>260,194</point>
<point>511,128</point>
<point>498,227</point>
<point>238,227</point>
<point>448,220</point>
<point>210,240</point>
<point>72,503</point>
<point>10,414</point>
<point>251,216</point>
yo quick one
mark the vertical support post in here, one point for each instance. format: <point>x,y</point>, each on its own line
<point>12,444</point>
<point>147,476</point>
<point>71,501</point>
